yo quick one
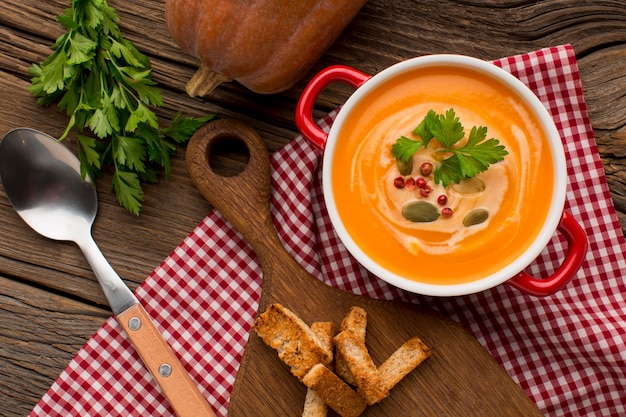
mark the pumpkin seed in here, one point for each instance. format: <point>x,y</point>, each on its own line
<point>476,216</point>
<point>469,186</point>
<point>405,168</point>
<point>420,212</point>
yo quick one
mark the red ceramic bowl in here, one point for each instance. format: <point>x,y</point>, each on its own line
<point>368,89</point>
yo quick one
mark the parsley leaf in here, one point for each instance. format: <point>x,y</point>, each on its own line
<point>127,188</point>
<point>404,148</point>
<point>459,162</point>
<point>448,172</point>
<point>104,84</point>
<point>87,151</point>
<point>448,130</point>
<point>183,127</point>
<point>425,128</point>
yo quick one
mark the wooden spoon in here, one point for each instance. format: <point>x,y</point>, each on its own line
<point>460,378</point>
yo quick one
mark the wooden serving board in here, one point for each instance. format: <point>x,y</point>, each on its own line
<point>460,378</point>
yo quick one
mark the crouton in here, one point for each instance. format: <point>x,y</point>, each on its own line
<point>368,381</point>
<point>406,358</point>
<point>356,321</point>
<point>297,345</point>
<point>314,406</point>
<point>334,391</point>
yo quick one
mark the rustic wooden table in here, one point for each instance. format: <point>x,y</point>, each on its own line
<point>50,303</point>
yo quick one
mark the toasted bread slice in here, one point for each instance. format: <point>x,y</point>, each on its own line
<point>297,345</point>
<point>406,358</point>
<point>356,321</point>
<point>325,331</point>
<point>314,406</point>
<point>334,391</point>
<point>368,381</point>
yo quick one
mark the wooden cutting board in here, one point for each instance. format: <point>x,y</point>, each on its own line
<point>460,378</point>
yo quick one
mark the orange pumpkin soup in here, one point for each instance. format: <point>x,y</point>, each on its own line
<point>516,191</point>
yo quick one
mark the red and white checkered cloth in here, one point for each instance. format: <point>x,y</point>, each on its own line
<point>566,351</point>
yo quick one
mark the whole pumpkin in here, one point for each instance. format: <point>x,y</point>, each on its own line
<point>266,45</point>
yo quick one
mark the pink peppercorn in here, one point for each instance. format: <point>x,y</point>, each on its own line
<point>399,183</point>
<point>426,169</point>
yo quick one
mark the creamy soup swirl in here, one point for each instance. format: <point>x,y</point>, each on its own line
<point>447,234</point>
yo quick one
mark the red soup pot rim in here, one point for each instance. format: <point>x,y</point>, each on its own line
<point>556,219</point>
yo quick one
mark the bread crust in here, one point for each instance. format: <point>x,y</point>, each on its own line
<point>324,331</point>
<point>297,345</point>
<point>330,366</point>
<point>355,320</point>
<point>334,391</point>
<point>368,381</point>
<point>401,362</point>
<point>314,406</point>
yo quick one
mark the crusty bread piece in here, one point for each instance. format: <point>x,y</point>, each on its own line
<point>406,358</point>
<point>314,406</point>
<point>334,391</point>
<point>297,345</point>
<point>325,330</point>
<point>308,351</point>
<point>356,321</point>
<point>355,353</point>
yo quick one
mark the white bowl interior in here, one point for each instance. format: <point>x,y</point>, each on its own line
<point>555,146</point>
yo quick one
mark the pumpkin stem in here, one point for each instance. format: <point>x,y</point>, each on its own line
<point>204,81</point>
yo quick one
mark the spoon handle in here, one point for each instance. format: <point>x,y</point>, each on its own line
<point>178,387</point>
<point>158,357</point>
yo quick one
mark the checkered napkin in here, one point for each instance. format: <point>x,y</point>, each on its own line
<point>565,351</point>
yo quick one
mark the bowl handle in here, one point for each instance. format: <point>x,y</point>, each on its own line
<point>304,110</point>
<point>577,243</point>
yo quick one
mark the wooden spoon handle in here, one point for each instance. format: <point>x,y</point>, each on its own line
<point>243,199</point>
<point>178,387</point>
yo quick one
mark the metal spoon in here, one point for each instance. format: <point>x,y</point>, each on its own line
<point>42,180</point>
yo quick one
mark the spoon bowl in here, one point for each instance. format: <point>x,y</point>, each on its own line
<point>60,206</point>
<point>43,182</point>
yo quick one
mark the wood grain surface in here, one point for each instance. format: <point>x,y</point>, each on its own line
<point>456,356</point>
<point>50,303</point>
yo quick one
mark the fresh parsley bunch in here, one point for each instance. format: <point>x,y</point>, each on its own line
<point>105,85</point>
<point>457,162</point>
